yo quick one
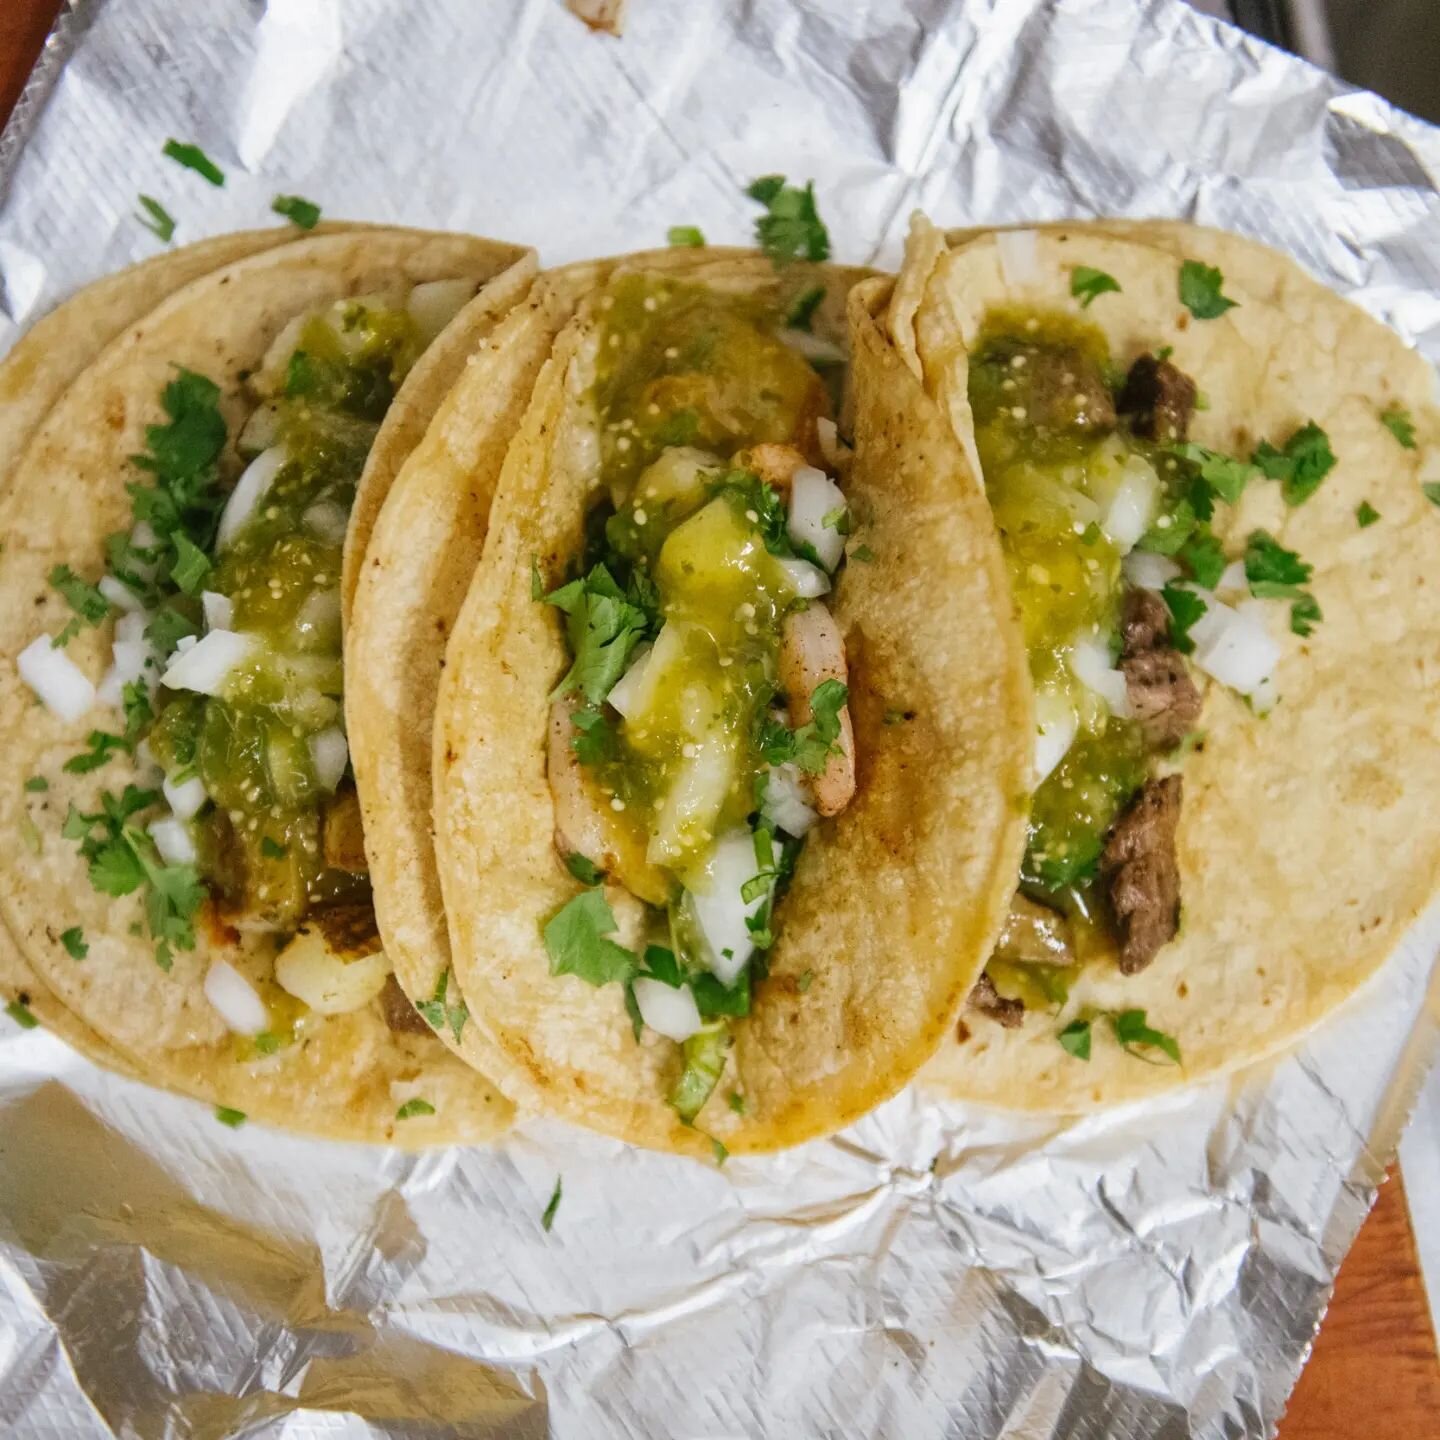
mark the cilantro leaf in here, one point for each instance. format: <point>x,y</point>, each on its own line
<point>1366,514</point>
<point>297,210</point>
<point>704,1059</point>
<point>1400,425</point>
<point>36,783</point>
<point>1202,556</point>
<point>135,700</point>
<point>791,229</point>
<point>1075,1038</point>
<point>157,219</point>
<point>863,553</point>
<point>272,849</point>
<point>1226,476</point>
<point>1200,291</point>
<point>684,235</point>
<point>192,157</point>
<point>547,1218</point>
<point>594,738</point>
<point>83,598</point>
<point>1131,1031</point>
<point>576,944</point>
<point>417,1106</point>
<point>801,314</point>
<point>191,564</point>
<point>815,741</point>
<point>19,1012</point>
<point>1300,467</point>
<point>102,747</point>
<point>737,1102</point>
<point>1186,607</point>
<point>661,965</point>
<point>76,946</point>
<point>116,870</point>
<point>719,1150</point>
<point>1273,572</point>
<point>1086,283</point>
<point>604,628</point>
<point>232,1118</point>
<point>168,628</point>
<point>713,998</point>
<point>1305,613</point>
<point>1167,536</point>
<point>1431,491</point>
<point>584,869</point>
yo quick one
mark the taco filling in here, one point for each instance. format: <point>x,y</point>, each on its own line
<point>702,728</point>
<point>227,670</point>
<point>1104,510</point>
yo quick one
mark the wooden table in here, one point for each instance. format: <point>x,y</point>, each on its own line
<point>1374,1371</point>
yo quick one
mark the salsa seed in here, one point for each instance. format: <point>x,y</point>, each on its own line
<point>689,749</point>
<point>1032,324</point>
<point>617,803</point>
<point>614,341</point>
<point>649,302</point>
<point>623,443</point>
<point>1017,362</point>
<point>671,353</point>
<point>652,408</point>
<point>1007,384</point>
<point>640,517</point>
<point>272,512</point>
<point>746,611</point>
<point>752,517</point>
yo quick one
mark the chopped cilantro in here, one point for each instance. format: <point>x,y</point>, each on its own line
<point>19,1012</point>
<point>1431,491</point>
<point>737,1102</point>
<point>713,998</point>
<point>417,1106</point>
<point>604,627</point>
<point>437,1011</point>
<point>837,519</point>
<point>272,849</point>
<point>1075,1038</point>
<point>1366,514</point>
<point>1274,572</point>
<point>157,219</point>
<point>76,946</point>
<point>584,869</point>
<point>1305,614</point>
<point>801,314</point>
<point>1400,425</point>
<point>1087,283</point>
<point>704,1060</point>
<point>298,211</point>
<point>863,553</point>
<point>192,157</point>
<point>684,235</point>
<point>1186,607</point>
<point>718,1150</point>
<point>661,965</point>
<point>594,738</point>
<point>135,700</point>
<point>806,979</point>
<point>191,564</point>
<point>36,783</point>
<point>226,1116</point>
<point>168,629</point>
<point>1132,1031</point>
<point>1202,556</point>
<point>576,944</point>
<point>102,747</point>
<point>1200,291</point>
<point>791,228</point>
<point>267,1042</point>
<point>547,1218</point>
<point>1167,536</point>
<point>1300,467</point>
<point>83,598</point>
<point>1226,476</point>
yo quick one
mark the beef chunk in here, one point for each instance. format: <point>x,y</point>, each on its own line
<point>400,1015</point>
<point>988,1001</point>
<point>1159,398</point>
<point>342,839</point>
<point>1143,874</point>
<point>1064,390</point>
<point>1161,692</point>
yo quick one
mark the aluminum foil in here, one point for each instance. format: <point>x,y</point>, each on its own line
<point>936,1270</point>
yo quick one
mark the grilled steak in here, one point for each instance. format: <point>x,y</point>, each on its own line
<point>1159,399</point>
<point>1143,874</point>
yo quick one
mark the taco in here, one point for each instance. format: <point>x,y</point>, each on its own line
<point>189,880</point>
<point>1210,481</point>
<point>720,852</point>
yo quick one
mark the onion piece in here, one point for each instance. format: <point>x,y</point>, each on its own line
<point>327,521</point>
<point>208,663</point>
<point>433,304</point>
<point>252,486</point>
<point>186,798</point>
<point>1233,580</point>
<point>260,431</point>
<point>118,593</point>
<point>1019,255</point>
<point>235,999</point>
<point>127,666</point>
<point>697,794</point>
<point>807,581</point>
<point>832,447</point>
<point>1090,664</point>
<point>1232,648</point>
<point>626,693</point>
<point>219,610</point>
<point>1132,506</point>
<point>1149,571</point>
<point>173,840</point>
<point>668,1011</point>
<point>1056,726</point>
<point>328,982</point>
<point>130,628</point>
<point>329,753</point>
<point>813,496</point>
<point>722,911</point>
<point>640,686</point>
<point>787,800</point>
<point>60,683</point>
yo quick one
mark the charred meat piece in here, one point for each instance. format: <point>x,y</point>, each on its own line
<point>400,1015</point>
<point>1161,692</point>
<point>988,1001</point>
<point>342,839</point>
<point>1143,874</point>
<point>1159,399</point>
<point>1063,390</point>
<point>1034,934</point>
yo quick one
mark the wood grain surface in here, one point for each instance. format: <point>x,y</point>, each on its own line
<point>1374,1371</point>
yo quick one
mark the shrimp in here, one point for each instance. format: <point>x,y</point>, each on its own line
<point>811,652</point>
<point>775,464</point>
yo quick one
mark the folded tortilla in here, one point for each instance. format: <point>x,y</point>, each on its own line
<point>351,1074</point>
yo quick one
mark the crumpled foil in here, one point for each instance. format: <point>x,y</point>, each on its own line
<point>936,1270</point>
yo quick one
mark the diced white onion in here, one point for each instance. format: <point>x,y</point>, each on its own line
<point>143,537</point>
<point>59,682</point>
<point>640,686</point>
<point>808,581</point>
<point>628,689</point>
<point>1232,648</point>
<point>828,434</point>
<point>219,610</point>
<point>666,1010</point>
<point>172,839</point>
<point>205,665</point>
<point>435,303</point>
<point>326,520</point>
<point>1019,254</point>
<point>815,349</point>
<point>328,983</point>
<point>1133,505</point>
<point>118,593</point>
<point>329,753</point>
<point>261,430</point>
<point>186,798</point>
<point>254,482</point>
<point>236,1000</point>
<point>1090,664</point>
<point>127,666</point>
<point>721,911</point>
<point>1056,725</point>
<point>787,801</point>
<point>1149,572</point>
<point>813,496</point>
<point>1232,579</point>
<point>693,803</point>
<point>319,619</point>
<point>1264,696</point>
<point>130,628</point>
